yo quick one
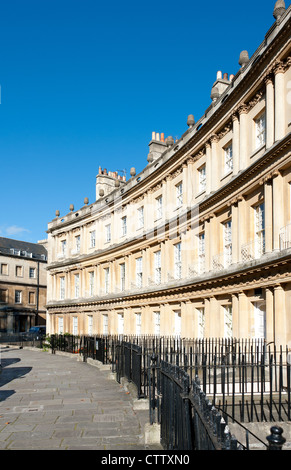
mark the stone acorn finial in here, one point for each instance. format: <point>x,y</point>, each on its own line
<point>279,9</point>
<point>190,120</point>
<point>101,192</point>
<point>243,58</point>
<point>132,172</point>
<point>117,183</point>
<point>57,213</point>
<point>169,141</point>
<point>86,201</point>
<point>71,207</point>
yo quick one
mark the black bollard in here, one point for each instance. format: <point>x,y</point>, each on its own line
<point>276,440</point>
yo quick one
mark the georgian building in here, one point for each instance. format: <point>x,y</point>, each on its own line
<point>23,285</point>
<point>199,243</point>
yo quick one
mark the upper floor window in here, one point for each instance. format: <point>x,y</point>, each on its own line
<point>201,252</point>
<point>77,285</point>
<point>260,130</point>
<point>139,272</point>
<point>123,226</point>
<point>159,207</point>
<point>64,247</point>
<point>228,159</point>
<point>107,280</point>
<point>91,282</point>
<point>179,195</point>
<point>259,230</point>
<point>202,178</point>
<point>227,243</point>
<point>158,267</point>
<point>19,271</point>
<point>122,276</point>
<point>178,261</point>
<point>140,216</point>
<point>4,269</point>
<point>108,233</point>
<point>77,243</point>
<point>93,239</point>
<point>32,273</point>
<point>62,288</point>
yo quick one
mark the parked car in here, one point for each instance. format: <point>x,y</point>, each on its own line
<point>35,332</point>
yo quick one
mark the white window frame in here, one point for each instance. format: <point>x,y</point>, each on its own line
<point>123,226</point>
<point>62,287</point>
<point>18,297</point>
<point>106,280</point>
<point>260,130</point>
<point>138,324</point>
<point>179,195</point>
<point>201,252</point>
<point>108,233</point>
<point>138,271</point>
<point>228,158</point>
<point>228,321</point>
<point>158,267</point>
<point>140,217</point>
<point>91,283</point>
<point>77,285</point>
<point>201,322</point>
<point>93,239</point>
<point>105,324</point>
<point>122,276</point>
<point>202,178</point>
<point>60,325</point>
<point>259,230</point>
<point>75,325</point>
<point>227,243</point>
<point>77,243</point>
<point>178,260</point>
<point>64,247</point>
<point>157,323</point>
<point>120,323</point>
<point>90,325</point>
<point>32,272</point>
<point>159,207</point>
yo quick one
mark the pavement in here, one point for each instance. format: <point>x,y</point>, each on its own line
<point>56,402</point>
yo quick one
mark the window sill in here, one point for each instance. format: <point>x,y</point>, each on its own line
<point>230,172</point>
<point>201,192</point>
<point>258,150</point>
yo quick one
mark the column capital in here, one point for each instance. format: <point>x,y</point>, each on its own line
<point>279,67</point>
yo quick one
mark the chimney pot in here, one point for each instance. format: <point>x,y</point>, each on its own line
<point>225,76</point>
<point>219,75</point>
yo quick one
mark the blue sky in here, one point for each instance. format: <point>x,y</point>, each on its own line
<point>84,83</point>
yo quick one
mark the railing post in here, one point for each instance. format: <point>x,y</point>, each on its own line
<point>276,440</point>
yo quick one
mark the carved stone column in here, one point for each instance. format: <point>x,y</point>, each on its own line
<point>270,111</point>
<point>214,164</point>
<point>235,143</point>
<point>280,98</point>
<point>280,316</point>
<point>243,137</point>
<point>278,208</point>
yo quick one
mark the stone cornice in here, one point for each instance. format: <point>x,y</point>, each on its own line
<point>266,272</point>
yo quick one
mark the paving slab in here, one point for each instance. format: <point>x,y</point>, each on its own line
<point>55,402</point>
